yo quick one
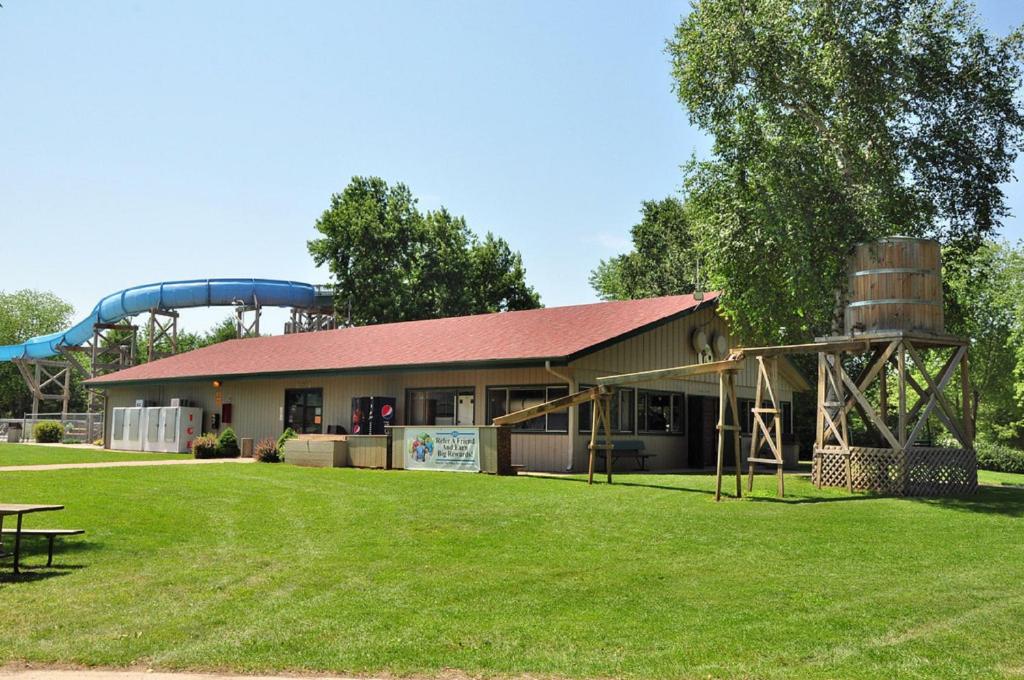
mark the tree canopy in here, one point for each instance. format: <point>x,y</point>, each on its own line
<point>835,123</point>
<point>392,262</point>
<point>663,260</point>
<point>25,314</point>
<point>985,302</point>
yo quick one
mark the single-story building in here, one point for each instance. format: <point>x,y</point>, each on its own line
<point>469,370</point>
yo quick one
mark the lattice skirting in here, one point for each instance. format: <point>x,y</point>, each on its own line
<point>918,471</point>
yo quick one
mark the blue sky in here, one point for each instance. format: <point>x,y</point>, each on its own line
<point>148,141</point>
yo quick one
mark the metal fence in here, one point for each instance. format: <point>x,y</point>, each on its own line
<point>78,427</point>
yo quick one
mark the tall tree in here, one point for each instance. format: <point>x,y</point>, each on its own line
<point>833,123</point>
<point>25,314</point>
<point>393,263</point>
<point>663,260</point>
<point>983,302</point>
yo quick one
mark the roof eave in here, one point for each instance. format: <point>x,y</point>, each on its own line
<point>532,362</point>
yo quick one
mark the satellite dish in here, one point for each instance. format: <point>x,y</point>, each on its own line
<point>699,339</point>
<point>721,345</point>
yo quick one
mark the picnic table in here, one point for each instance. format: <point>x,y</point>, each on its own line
<point>629,448</point>
<point>20,509</point>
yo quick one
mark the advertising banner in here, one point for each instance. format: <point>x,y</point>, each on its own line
<point>442,448</point>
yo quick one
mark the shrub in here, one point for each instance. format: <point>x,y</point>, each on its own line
<point>285,436</point>
<point>48,432</point>
<point>227,444</point>
<point>205,446</point>
<point>1000,458</point>
<point>266,451</point>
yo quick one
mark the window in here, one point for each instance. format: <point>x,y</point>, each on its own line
<point>661,412</point>
<point>787,418</point>
<point>502,400</point>
<point>746,415</point>
<point>303,410</point>
<point>622,411</point>
<point>440,407</point>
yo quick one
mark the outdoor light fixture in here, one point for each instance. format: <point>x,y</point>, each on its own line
<point>216,383</point>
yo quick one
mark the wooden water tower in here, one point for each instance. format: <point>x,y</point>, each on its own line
<point>895,310</point>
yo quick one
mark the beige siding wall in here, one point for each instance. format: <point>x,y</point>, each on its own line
<point>258,403</point>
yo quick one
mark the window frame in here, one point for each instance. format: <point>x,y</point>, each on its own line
<point>517,428</point>
<point>305,392</point>
<point>457,390</point>
<point>674,397</point>
<point>785,416</point>
<point>583,426</point>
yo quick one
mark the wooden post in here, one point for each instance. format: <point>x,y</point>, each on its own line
<point>595,421</point>
<point>777,417</point>
<point>35,394</point>
<point>727,398</point>
<point>731,377</point>
<point>755,431</point>
<point>968,408</point>
<point>819,422</point>
<point>844,429</point>
<point>721,437</point>
<point>607,418</point>
<point>901,388</point>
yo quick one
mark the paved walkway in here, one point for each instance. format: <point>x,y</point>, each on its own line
<point>122,463</point>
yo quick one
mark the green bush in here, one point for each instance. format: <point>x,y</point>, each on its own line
<point>227,444</point>
<point>205,446</point>
<point>285,436</point>
<point>48,432</point>
<point>266,451</point>
<point>1000,458</point>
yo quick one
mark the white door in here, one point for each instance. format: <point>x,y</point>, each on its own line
<point>464,410</point>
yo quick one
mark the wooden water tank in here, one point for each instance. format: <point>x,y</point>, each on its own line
<point>895,285</point>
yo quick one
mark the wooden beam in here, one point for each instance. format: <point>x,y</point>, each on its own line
<point>688,371</point>
<point>872,370</point>
<point>805,348</point>
<point>968,408</point>
<point>869,411</point>
<point>574,399</point>
<point>935,391</point>
<point>901,388</point>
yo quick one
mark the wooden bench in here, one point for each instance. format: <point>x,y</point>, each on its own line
<point>628,448</point>
<point>49,534</point>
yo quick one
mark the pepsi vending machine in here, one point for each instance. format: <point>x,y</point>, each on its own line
<point>370,415</point>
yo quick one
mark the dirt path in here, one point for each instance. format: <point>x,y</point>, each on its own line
<point>121,463</point>
<point>46,674</point>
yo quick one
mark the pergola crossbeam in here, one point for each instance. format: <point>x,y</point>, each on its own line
<point>559,404</point>
<point>688,371</point>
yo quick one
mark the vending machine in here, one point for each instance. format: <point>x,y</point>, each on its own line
<point>370,415</point>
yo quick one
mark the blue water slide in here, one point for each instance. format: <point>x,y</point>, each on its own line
<point>166,296</point>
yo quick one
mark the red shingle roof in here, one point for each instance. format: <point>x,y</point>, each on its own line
<point>556,333</point>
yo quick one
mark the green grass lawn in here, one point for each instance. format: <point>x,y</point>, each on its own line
<point>264,567</point>
<point>26,454</point>
<point>1000,478</point>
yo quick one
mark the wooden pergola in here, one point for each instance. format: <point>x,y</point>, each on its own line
<point>906,467</point>
<point>600,397</point>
